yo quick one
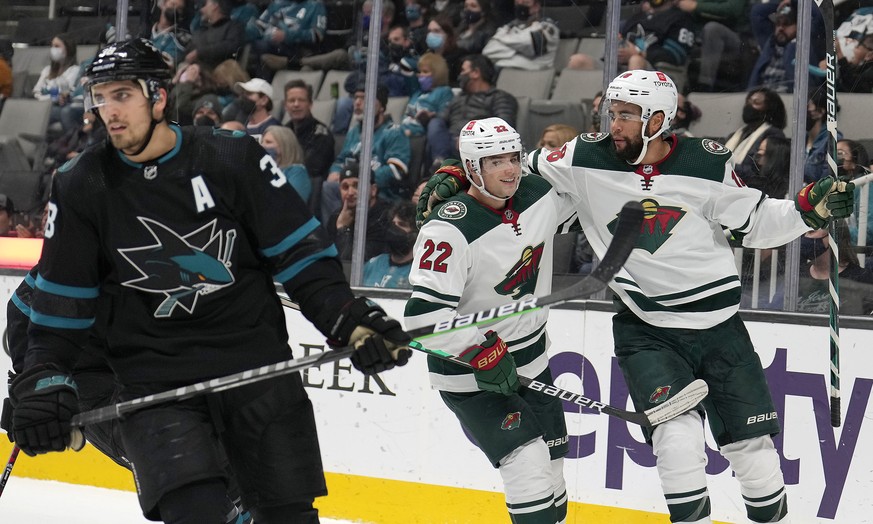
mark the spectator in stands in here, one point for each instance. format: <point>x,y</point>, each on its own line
<point>341,223</point>
<point>775,65</point>
<point>191,82</point>
<point>816,166</point>
<point>74,141</point>
<point>389,156</point>
<point>207,111</point>
<point>450,9</point>
<point>763,116</point>
<point>58,79</point>
<point>289,30</point>
<point>719,24</point>
<point>686,114</point>
<point>430,100</point>
<point>314,137</point>
<point>391,269</point>
<point>529,42</point>
<point>282,145</point>
<point>226,75</point>
<point>6,52</point>
<point>240,11</point>
<point>595,112</point>
<point>255,106</point>
<point>353,53</point>
<point>417,15</point>
<point>856,283</point>
<point>479,98</point>
<point>856,74</point>
<point>477,26</point>
<point>7,210</point>
<point>442,40</point>
<point>852,160</point>
<point>663,34</point>
<point>772,161</point>
<point>220,37</point>
<point>402,63</point>
<point>556,135</point>
<point>168,34</point>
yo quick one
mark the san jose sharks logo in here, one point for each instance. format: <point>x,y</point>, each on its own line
<point>658,222</point>
<point>181,267</point>
<point>522,278</point>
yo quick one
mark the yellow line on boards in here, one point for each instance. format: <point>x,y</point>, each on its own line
<point>352,497</point>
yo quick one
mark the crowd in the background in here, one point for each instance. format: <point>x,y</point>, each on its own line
<point>445,56</point>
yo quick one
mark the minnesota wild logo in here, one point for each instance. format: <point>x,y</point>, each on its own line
<point>522,278</point>
<point>658,221</point>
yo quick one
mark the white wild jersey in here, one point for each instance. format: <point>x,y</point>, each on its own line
<point>682,272</point>
<point>470,257</point>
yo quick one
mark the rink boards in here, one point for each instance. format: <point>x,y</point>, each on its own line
<point>395,454</point>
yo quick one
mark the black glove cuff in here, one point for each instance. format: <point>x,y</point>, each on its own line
<point>350,316</point>
<point>42,379</point>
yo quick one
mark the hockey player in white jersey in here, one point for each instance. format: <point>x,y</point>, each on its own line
<point>678,294</point>
<point>485,248</point>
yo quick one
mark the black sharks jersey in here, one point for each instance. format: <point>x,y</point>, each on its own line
<point>186,249</point>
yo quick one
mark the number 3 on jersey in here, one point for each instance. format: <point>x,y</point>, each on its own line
<point>435,255</point>
<point>278,176</point>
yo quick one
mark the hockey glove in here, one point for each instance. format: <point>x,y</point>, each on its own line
<point>44,400</point>
<point>827,198</point>
<point>6,415</point>
<point>493,365</point>
<point>379,341</point>
<point>448,181</point>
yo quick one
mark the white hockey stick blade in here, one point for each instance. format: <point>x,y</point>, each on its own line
<point>684,401</point>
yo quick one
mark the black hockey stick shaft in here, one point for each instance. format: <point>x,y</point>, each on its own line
<point>209,386</point>
<point>624,240</point>
<point>827,11</point>
<point>686,399</point>
<point>8,470</point>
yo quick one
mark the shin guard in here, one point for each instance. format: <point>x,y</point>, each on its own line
<point>756,465</point>
<point>681,459</point>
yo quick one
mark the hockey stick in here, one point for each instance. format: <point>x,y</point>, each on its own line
<point>624,240</point>
<point>680,403</point>
<point>827,11</point>
<point>8,471</point>
<point>214,385</point>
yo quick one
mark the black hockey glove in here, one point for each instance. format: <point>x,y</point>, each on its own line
<point>376,337</point>
<point>44,400</point>
<point>6,415</point>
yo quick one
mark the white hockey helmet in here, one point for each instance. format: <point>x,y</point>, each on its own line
<point>483,138</point>
<point>653,91</point>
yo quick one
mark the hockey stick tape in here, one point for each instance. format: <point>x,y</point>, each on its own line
<point>77,439</point>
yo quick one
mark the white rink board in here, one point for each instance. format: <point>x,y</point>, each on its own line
<point>407,434</point>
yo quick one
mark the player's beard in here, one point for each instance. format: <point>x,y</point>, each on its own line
<point>632,149</point>
<point>131,140</point>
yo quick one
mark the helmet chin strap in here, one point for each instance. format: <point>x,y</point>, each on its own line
<point>646,140</point>
<point>148,138</point>
<point>484,191</point>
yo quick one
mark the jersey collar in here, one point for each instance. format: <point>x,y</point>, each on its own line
<point>165,157</point>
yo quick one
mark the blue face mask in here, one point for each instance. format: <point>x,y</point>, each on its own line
<point>366,21</point>
<point>413,13</point>
<point>426,83</point>
<point>272,151</point>
<point>434,41</point>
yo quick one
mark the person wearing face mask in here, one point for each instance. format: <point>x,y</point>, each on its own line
<point>207,111</point>
<point>417,14</point>
<point>477,26</point>
<point>168,33</point>
<point>59,78</point>
<point>852,160</point>
<point>442,40</point>
<point>255,105</point>
<point>528,42</point>
<point>391,269</point>
<point>283,147</point>
<point>816,167</point>
<point>686,114</point>
<point>422,116</point>
<point>764,116</point>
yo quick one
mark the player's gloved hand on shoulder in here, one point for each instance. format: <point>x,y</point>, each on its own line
<point>445,183</point>
<point>44,399</point>
<point>379,341</point>
<point>493,365</point>
<point>825,199</point>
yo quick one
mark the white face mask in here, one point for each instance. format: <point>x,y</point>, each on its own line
<point>57,54</point>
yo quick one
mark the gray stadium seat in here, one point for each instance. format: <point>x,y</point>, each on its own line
<point>519,82</point>
<point>396,107</point>
<point>323,110</point>
<point>22,116</point>
<point>575,85</point>
<point>722,113</point>
<point>333,76</point>
<point>543,113</point>
<point>566,47</point>
<point>856,115</point>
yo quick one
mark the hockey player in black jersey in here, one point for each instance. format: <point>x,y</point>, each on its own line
<point>183,233</point>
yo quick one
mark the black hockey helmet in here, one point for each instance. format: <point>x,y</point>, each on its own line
<point>136,59</point>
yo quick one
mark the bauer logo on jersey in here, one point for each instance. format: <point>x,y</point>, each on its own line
<point>511,421</point>
<point>452,210</point>
<point>714,147</point>
<point>658,222</point>
<point>593,137</point>
<point>181,267</point>
<point>521,280</point>
<point>660,394</point>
